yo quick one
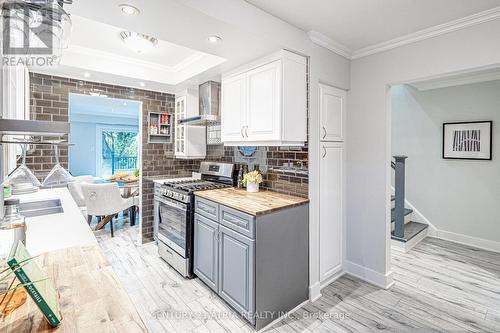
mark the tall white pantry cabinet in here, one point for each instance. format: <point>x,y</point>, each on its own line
<point>332,184</point>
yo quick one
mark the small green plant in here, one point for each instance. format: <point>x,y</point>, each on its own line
<point>136,172</point>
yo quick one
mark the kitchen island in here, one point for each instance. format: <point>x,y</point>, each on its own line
<point>252,249</point>
<point>91,297</point>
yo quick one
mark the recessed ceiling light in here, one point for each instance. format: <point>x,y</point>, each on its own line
<point>214,39</point>
<point>142,84</point>
<point>138,42</point>
<point>86,74</point>
<point>124,103</point>
<point>129,10</point>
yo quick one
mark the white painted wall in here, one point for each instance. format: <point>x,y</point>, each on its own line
<point>368,131</point>
<point>454,195</point>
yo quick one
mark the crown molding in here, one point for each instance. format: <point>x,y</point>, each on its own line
<point>197,56</point>
<point>118,58</point>
<point>490,75</point>
<point>330,44</point>
<point>441,29</point>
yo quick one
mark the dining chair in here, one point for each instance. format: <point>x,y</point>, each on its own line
<point>75,189</point>
<point>105,200</point>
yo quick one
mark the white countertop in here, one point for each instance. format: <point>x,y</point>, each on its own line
<point>56,231</point>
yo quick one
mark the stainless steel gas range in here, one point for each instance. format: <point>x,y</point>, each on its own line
<point>174,212</point>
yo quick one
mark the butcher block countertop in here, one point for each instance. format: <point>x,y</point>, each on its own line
<point>91,298</point>
<point>262,202</point>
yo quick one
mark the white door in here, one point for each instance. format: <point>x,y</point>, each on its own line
<point>233,111</point>
<point>332,113</point>
<point>263,99</point>
<point>331,208</point>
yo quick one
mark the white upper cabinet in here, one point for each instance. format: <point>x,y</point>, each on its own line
<point>190,141</point>
<point>265,103</point>
<point>332,113</point>
<point>233,100</point>
<point>263,115</point>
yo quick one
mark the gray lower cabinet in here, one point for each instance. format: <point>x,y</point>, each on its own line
<point>206,250</point>
<point>257,264</point>
<point>237,271</point>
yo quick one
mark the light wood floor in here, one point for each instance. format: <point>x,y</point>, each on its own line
<point>440,287</point>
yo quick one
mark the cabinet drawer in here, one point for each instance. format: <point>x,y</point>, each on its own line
<point>207,208</point>
<point>237,221</point>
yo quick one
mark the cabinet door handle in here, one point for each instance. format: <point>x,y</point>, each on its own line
<point>324,132</point>
<point>324,151</point>
<point>241,132</point>
<point>246,131</point>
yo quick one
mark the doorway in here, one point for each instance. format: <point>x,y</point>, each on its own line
<point>105,133</point>
<point>106,141</point>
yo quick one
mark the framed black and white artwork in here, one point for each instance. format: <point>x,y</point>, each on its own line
<point>467,140</point>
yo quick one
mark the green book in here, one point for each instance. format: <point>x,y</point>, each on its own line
<point>41,290</point>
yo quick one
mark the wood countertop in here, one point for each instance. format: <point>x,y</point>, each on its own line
<point>262,202</point>
<point>91,296</point>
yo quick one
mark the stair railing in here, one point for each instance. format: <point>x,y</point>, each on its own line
<point>399,192</point>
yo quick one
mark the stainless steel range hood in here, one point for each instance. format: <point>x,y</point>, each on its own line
<point>209,103</point>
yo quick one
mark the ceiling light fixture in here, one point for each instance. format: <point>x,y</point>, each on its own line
<point>129,10</point>
<point>214,39</point>
<point>142,84</point>
<point>86,74</point>
<point>138,42</point>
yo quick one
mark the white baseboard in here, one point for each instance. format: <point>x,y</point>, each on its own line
<point>277,320</point>
<point>480,243</point>
<point>369,275</point>
<point>332,278</point>
<point>314,292</point>
<point>315,289</point>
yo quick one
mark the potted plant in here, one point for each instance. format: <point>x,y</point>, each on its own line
<point>252,181</point>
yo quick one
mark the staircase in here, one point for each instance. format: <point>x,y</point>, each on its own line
<point>405,231</point>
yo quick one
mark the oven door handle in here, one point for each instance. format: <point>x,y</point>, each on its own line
<point>172,204</point>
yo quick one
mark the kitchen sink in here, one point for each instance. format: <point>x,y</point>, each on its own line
<point>40,208</point>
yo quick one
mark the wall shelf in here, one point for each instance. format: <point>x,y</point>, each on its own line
<point>159,127</point>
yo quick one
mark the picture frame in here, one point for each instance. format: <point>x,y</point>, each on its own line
<point>468,140</point>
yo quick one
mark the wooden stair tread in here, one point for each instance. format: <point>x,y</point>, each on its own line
<point>393,217</point>
<point>411,229</point>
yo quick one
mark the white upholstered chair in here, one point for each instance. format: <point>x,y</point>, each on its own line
<point>75,188</point>
<point>105,200</point>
